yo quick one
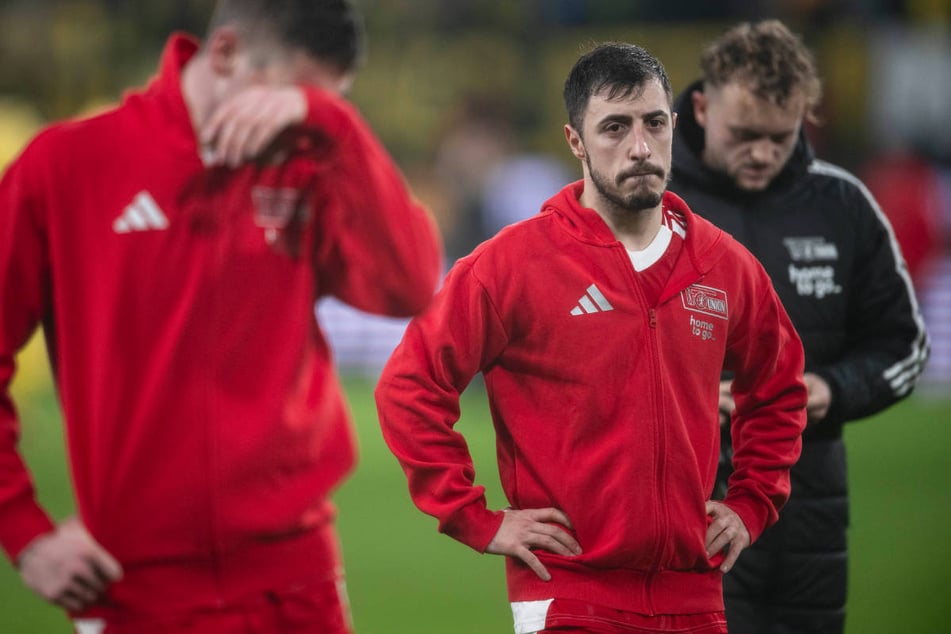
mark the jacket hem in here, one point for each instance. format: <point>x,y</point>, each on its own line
<point>177,586</point>
<point>650,593</point>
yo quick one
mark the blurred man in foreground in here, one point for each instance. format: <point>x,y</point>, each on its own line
<point>173,248</point>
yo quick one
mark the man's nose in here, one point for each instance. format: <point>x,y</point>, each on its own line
<point>639,150</point>
<point>762,151</point>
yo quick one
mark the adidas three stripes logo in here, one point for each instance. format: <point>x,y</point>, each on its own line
<point>593,301</point>
<point>143,214</point>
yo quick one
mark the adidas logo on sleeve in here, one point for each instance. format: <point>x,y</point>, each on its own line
<point>143,214</point>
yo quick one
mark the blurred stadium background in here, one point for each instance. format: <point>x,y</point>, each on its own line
<point>467,96</point>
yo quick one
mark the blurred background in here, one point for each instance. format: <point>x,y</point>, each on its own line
<point>467,96</point>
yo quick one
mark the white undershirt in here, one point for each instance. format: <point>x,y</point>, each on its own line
<point>530,616</point>
<point>652,252</point>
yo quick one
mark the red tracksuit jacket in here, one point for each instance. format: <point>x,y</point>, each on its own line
<point>202,409</point>
<point>604,406</point>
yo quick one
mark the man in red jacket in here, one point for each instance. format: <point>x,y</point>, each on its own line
<point>173,249</point>
<point>601,327</point>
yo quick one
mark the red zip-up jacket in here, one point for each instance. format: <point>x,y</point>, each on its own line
<point>604,406</point>
<point>202,410</point>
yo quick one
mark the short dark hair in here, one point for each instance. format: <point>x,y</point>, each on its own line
<point>767,58</point>
<point>614,66</point>
<point>328,30</point>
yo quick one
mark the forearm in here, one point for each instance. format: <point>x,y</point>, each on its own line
<point>865,383</point>
<point>418,401</point>
<point>388,243</point>
<point>417,427</point>
<point>770,414</point>
<point>766,444</point>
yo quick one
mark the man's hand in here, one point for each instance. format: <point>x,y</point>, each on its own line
<point>531,528</point>
<point>68,567</point>
<point>246,124</point>
<point>726,405</point>
<point>820,397</point>
<point>726,531</point>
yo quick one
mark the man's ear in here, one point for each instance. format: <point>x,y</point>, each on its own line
<point>575,142</point>
<point>222,50</point>
<point>699,107</point>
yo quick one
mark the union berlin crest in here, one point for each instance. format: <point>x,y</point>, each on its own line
<point>280,212</point>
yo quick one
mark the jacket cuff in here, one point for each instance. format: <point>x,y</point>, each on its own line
<point>474,525</point>
<point>753,512</point>
<point>20,526</point>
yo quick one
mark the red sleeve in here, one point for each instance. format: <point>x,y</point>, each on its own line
<point>766,355</point>
<point>24,288</point>
<point>418,402</point>
<point>384,254</point>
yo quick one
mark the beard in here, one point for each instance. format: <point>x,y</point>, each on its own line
<point>641,198</point>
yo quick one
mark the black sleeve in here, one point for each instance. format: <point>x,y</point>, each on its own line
<point>887,343</point>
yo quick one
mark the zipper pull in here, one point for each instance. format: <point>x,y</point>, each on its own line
<point>653,318</point>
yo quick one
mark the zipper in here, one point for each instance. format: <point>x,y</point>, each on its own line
<point>660,444</point>
<point>662,521</point>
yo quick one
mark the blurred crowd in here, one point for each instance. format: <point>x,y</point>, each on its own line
<point>466,95</point>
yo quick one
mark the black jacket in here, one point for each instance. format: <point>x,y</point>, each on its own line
<point>835,264</point>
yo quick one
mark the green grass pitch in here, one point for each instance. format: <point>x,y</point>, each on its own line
<point>405,577</point>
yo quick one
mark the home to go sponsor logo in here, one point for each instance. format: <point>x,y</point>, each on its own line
<point>814,281</point>
<point>702,329</point>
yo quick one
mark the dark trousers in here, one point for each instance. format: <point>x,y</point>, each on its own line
<point>793,580</point>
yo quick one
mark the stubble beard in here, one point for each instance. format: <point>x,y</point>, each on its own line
<point>641,199</point>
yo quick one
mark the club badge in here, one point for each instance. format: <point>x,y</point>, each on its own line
<point>705,299</point>
<point>282,213</point>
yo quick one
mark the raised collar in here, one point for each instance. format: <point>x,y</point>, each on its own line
<point>165,92</point>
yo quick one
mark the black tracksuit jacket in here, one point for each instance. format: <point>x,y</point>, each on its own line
<point>836,267</point>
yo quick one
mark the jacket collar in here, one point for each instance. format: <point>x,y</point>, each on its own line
<point>703,244</point>
<point>688,147</point>
<point>164,91</point>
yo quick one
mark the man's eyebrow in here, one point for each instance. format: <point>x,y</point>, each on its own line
<point>655,114</point>
<point>616,118</point>
<point>627,119</point>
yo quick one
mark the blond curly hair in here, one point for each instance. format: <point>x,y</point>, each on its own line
<point>767,58</point>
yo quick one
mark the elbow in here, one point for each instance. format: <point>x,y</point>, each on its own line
<point>414,290</point>
<point>411,301</point>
